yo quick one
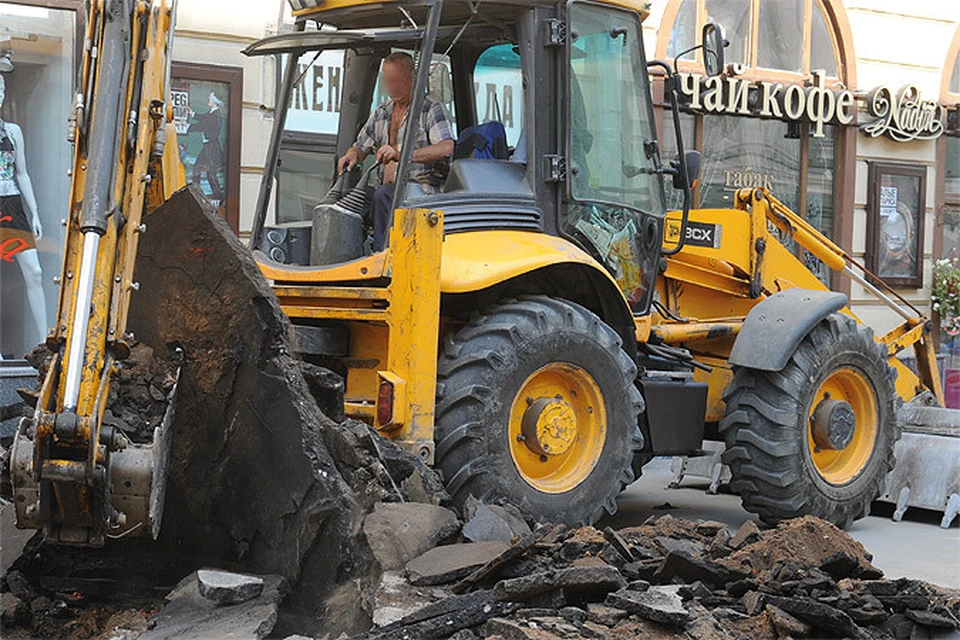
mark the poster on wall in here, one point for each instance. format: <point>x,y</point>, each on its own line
<point>206,103</point>
<point>37,73</point>
<point>896,208</point>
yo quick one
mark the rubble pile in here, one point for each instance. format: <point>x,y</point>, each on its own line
<point>667,578</point>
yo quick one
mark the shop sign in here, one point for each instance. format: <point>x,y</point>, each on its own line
<point>903,116</point>
<point>747,178</point>
<point>736,96</point>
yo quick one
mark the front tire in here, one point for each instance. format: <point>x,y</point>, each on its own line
<point>817,437</point>
<point>536,405</point>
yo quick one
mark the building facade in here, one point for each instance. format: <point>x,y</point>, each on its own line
<point>847,110</point>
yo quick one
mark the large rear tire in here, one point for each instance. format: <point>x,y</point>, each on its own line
<point>817,437</point>
<point>536,405</point>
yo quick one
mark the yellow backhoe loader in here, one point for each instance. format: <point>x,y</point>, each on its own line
<point>537,330</point>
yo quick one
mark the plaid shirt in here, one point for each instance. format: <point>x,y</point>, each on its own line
<point>435,127</point>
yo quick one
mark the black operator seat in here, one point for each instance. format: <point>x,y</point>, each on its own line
<point>487,176</point>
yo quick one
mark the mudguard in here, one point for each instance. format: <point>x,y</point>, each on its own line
<point>774,328</point>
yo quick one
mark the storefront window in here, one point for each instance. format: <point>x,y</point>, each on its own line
<point>764,34</point>
<point>822,54</point>
<point>735,16</point>
<point>796,166</point>
<point>37,70</point>
<point>684,33</point>
<point>742,153</point>
<point>781,35</point>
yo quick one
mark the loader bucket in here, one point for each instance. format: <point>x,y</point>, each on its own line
<point>927,473</point>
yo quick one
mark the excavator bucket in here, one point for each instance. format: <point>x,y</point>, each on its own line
<point>137,477</point>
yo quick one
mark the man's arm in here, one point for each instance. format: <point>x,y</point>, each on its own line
<point>366,143</point>
<point>434,152</point>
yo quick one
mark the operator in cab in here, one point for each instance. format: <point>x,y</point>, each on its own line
<point>383,133</point>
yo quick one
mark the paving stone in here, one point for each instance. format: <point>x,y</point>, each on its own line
<point>444,618</point>
<point>696,590</point>
<point>589,580</point>
<point>486,526</point>
<point>815,579</point>
<point>516,551</point>
<point>868,572</point>
<point>747,533</point>
<point>728,613</point>
<point>819,615</point>
<point>899,626</point>
<point>740,587</point>
<point>228,588</point>
<point>602,614</point>
<point>658,604</point>
<point>903,601</point>
<point>689,547</point>
<point>190,616</point>
<point>689,568</point>
<point>399,532</point>
<point>515,630</point>
<point>754,602</point>
<point>868,616</point>
<point>619,545</point>
<point>786,624</point>
<point>703,626</point>
<point>931,619</point>
<point>840,565</point>
<point>709,527</point>
<point>882,587</point>
<point>573,614</point>
<point>441,565</point>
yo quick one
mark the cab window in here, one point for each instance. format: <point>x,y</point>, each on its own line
<point>498,86</point>
<point>611,133</point>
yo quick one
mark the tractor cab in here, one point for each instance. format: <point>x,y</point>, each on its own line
<point>568,83</point>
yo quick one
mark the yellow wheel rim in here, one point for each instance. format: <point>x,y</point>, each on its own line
<point>558,426</point>
<point>842,464</point>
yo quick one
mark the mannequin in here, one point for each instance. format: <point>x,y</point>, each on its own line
<point>20,227</point>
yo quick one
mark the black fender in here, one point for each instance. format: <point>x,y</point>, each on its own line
<point>774,328</point>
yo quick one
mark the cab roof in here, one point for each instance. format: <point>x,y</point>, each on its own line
<point>366,14</point>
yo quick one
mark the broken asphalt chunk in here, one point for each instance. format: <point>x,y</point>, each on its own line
<point>441,565</point>
<point>228,588</point>
<point>658,604</point>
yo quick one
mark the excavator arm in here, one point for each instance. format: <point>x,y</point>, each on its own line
<point>76,478</point>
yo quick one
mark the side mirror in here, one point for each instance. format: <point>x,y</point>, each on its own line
<point>692,159</point>
<point>713,44</point>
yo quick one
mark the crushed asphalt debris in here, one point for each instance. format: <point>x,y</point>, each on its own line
<point>667,578</point>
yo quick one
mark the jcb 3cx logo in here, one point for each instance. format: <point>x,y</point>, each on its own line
<point>698,234</point>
